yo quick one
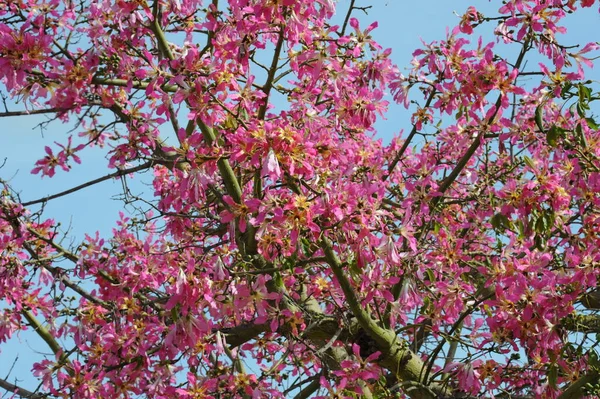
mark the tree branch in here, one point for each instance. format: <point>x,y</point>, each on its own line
<point>581,323</point>
<point>47,337</point>
<point>576,389</point>
<point>20,392</point>
<point>308,390</point>
<point>396,356</point>
<point>30,112</point>
<point>406,143</point>
<point>129,83</point>
<point>462,162</point>
<point>119,173</point>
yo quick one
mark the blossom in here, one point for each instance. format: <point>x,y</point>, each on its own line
<point>468,20</point>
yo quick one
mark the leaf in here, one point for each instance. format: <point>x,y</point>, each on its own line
<point>553,134</point>
<point>500,222</point>
<point>306,247</point>
<point>355,272</point>
<point>278,279</point>
<point>230,123</point>
<point>430,275</point>
<point>459,114</point>
<point>581,108</point>
<point>538,117</point>
<point>436,227</point>
<point>592,123</point>
<point>290,263</point>
<point>175,312</point>
<point>553,375</point>
<point>521,227</point>
<point>580,135</point>
<point>593,360</point>
<point>529,162</point>
<point>565,92</point>
<point>426,305</point>
<point>540,225</point>
<point>584,92</point>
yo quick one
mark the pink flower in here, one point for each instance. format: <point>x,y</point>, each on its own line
<point>271,166</point>
<point>469,20</point>
<point>468,376</point>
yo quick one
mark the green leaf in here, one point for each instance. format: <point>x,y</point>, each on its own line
<point>566,88</point>
<point>540,225</point>
<point>436,227</point>
<point>529,162</point>
<point>553,375</point>
<point>592,123</point>
<point>538,117</point>
<point>593,360</point>
<point>426,305</point>
<point>355,272</point>
<point>306,246</point>
<point>581,108</point>
<point>487,310</point>
<point>580,135</point>
<point>584,92</point>
<point>553,134</point>
<point>521,227</point>
<point>278,280</point>
<point>500,222</point>
<point>175,312</point>
<point>430,275</point>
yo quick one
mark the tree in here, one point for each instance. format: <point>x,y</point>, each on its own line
<point>287,251</point>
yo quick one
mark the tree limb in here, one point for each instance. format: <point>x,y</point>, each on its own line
<point>396,356</point>
<point>20,392</point>
<point>576,389</point>
<point>581,323</point>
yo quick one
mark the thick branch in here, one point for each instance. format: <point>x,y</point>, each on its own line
<point>576,389</point>
<point>396,356</point>
<point>231,184</point>
<point>270,78</point>
<point>20,392</point>
<point>46,336</point>
<point>308,390</point>
<point>239,335</point>
<point>591,300</point>
<point>460,165</point>
<point>30,112</point>
<point>582,323</point>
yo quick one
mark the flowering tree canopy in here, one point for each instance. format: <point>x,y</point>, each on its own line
<point>288,252</point>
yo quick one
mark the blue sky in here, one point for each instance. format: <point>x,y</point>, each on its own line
<point>401,26</point>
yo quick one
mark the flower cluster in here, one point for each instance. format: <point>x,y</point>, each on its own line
<point>287,249</point>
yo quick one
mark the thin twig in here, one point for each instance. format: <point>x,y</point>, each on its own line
<point>119,173</point>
